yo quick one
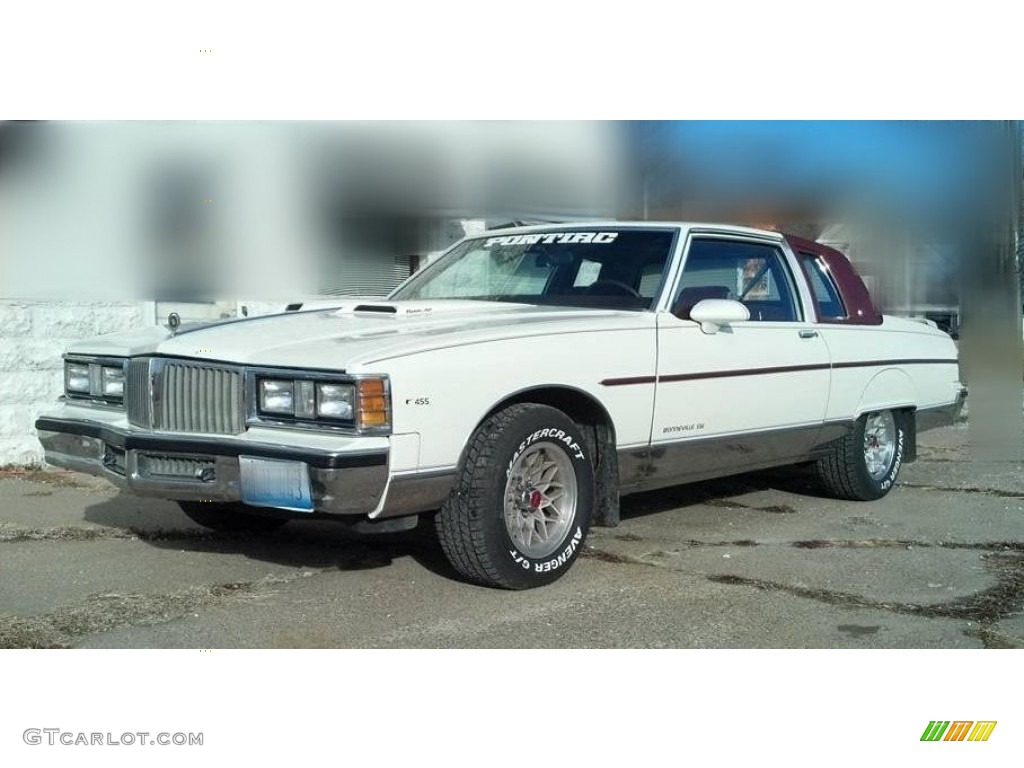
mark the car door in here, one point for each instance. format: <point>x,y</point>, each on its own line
<point>755,392</point>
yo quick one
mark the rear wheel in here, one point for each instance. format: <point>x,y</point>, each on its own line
<point>864,465</point>
<point>229,517</point>
<point>521,506</point>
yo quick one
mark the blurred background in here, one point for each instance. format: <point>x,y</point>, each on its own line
<point>113,225</point>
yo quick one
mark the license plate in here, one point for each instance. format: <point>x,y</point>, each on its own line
<point>272,483</point>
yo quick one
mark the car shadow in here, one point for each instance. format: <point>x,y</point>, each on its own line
<point>325,544</point>
<point>800,480</point>
<point>316,543</point>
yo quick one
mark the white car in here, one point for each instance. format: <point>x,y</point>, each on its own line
<point>515,388</point>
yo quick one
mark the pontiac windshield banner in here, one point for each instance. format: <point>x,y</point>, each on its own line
<point>600,238</point>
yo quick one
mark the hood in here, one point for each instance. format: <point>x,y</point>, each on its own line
<point>358,332</point>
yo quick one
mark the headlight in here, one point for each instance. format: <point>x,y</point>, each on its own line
<point>76,378</point>
<point>362,403</point>
<point>277,396</point>
<point>113,382</point>
<point>100,380</point>
<point>334,401</point>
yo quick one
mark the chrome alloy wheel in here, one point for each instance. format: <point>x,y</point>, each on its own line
<point>540,499</point>
<point>879,443</point>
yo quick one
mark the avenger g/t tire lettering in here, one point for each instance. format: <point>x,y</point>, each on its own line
<point>864,464</point>
<point>520,509</point>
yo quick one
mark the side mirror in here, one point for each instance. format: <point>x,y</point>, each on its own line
<point>714,313</point>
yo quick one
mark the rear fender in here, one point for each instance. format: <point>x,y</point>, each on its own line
<point>892,389</point>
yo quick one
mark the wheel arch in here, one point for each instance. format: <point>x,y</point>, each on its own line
<point>587,411</point>
<point>891,389</point>
<point>580,406</point>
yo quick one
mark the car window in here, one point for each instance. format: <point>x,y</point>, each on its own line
<point>482,272</point>
<point>607,267</point>
<point>823,288</point>
<point>754,274</point>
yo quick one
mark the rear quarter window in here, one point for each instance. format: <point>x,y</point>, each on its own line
<point>826,296</point>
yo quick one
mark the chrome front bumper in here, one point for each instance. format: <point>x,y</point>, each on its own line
<point>188,467</point>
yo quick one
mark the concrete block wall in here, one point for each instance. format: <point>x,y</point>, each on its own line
<point>33,336</point>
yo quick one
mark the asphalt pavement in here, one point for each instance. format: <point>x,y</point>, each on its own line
<point>760,560</point>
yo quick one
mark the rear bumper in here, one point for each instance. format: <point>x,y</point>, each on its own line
<point>198,468</point>
<point>943,415</point>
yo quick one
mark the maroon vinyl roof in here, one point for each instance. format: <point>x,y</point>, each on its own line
<point>859,307</point>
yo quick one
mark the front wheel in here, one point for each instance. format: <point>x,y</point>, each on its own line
<point>864,464</point>
<point>229,517</point>
<point>521,506</point>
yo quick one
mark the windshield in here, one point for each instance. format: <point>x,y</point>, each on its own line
<point>614,269</point>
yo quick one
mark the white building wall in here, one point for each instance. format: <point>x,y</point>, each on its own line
<point>33,336</point>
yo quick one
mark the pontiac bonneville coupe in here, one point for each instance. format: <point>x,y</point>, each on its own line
<point>515,388</point>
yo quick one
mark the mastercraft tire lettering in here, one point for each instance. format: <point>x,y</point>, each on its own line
<point>520,510</point>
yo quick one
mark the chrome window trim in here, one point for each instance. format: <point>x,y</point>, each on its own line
<point>787,260</point>
<point>802,283</point>
<point>673,271</point>
<point>828,278</point>
<point>654,303</point>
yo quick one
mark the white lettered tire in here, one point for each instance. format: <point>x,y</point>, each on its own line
<point>864,465</point>
<point>520,509</point>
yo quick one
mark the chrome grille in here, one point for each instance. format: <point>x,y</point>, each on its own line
<point>197,397</point>
<point>137,395</point>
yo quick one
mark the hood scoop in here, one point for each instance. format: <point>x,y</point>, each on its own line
<point>421,308</point>
<point>388,309</point>
<point>384,308</point>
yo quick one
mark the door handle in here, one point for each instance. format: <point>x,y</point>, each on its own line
<point>808,334</point>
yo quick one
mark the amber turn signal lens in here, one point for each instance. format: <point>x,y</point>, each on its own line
<point>368,387</point>
<point>373,419</point>
<point>374,404</point>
